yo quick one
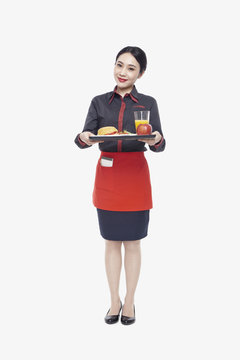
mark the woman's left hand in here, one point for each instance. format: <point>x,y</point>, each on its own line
<point>154,140</point>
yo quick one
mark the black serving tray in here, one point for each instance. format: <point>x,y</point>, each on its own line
<point>121,137</point>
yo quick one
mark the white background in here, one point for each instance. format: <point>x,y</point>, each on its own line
<point>55,57</point>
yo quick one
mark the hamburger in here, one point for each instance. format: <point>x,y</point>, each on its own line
<point>107,130</point>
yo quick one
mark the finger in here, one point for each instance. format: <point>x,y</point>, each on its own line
<point>95,142</point>
<point>90,142</point>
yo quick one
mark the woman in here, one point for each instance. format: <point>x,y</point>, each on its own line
<point>122,190</point>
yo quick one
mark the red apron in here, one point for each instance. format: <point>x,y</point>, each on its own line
<point>124,186</point>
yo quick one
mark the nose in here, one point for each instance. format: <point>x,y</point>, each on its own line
<point>123,71</point>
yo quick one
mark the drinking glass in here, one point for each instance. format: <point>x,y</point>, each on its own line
<point>141,117</point>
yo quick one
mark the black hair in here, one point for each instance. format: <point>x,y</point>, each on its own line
<point>139,55</point>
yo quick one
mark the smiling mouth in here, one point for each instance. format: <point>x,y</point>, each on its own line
<point>122,80</point>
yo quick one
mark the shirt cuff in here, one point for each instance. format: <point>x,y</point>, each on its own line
<point>159,143</point>
<point>80,141</point>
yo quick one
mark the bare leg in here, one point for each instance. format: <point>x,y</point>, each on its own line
<point>113,264</point>
<point>132,262</point>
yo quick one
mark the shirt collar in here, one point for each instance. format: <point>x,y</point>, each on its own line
<point>133,94</point>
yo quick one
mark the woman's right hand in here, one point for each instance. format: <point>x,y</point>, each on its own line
<point>84,136</point>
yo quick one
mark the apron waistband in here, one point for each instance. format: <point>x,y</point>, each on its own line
<point>121,154</point>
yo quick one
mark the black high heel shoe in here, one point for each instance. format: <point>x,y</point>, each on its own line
<point>128,320</point>
<point>112,319</point>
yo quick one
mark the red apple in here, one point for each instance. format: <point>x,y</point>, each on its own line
<point>144,129</point>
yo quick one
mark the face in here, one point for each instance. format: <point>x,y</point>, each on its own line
<point>126,71</point>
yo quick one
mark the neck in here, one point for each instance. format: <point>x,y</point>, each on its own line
<point>123,92</point>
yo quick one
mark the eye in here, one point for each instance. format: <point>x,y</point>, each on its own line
<point>132,69</point>
<point>119,65</point>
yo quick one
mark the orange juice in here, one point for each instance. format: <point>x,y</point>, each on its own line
<point>138,122</point>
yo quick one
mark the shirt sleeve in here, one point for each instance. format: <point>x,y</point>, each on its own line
<point>91,124</point>
<point>156,126</point>
<point>81,144</point>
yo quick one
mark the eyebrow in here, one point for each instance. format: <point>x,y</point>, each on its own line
<point>128,64</point>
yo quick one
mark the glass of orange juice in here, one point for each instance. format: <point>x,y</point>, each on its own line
<point>141,117</point>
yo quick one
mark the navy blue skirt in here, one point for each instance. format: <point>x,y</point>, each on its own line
<point>123,225</point>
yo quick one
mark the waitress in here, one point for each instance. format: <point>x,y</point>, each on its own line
<point>122,190</point>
